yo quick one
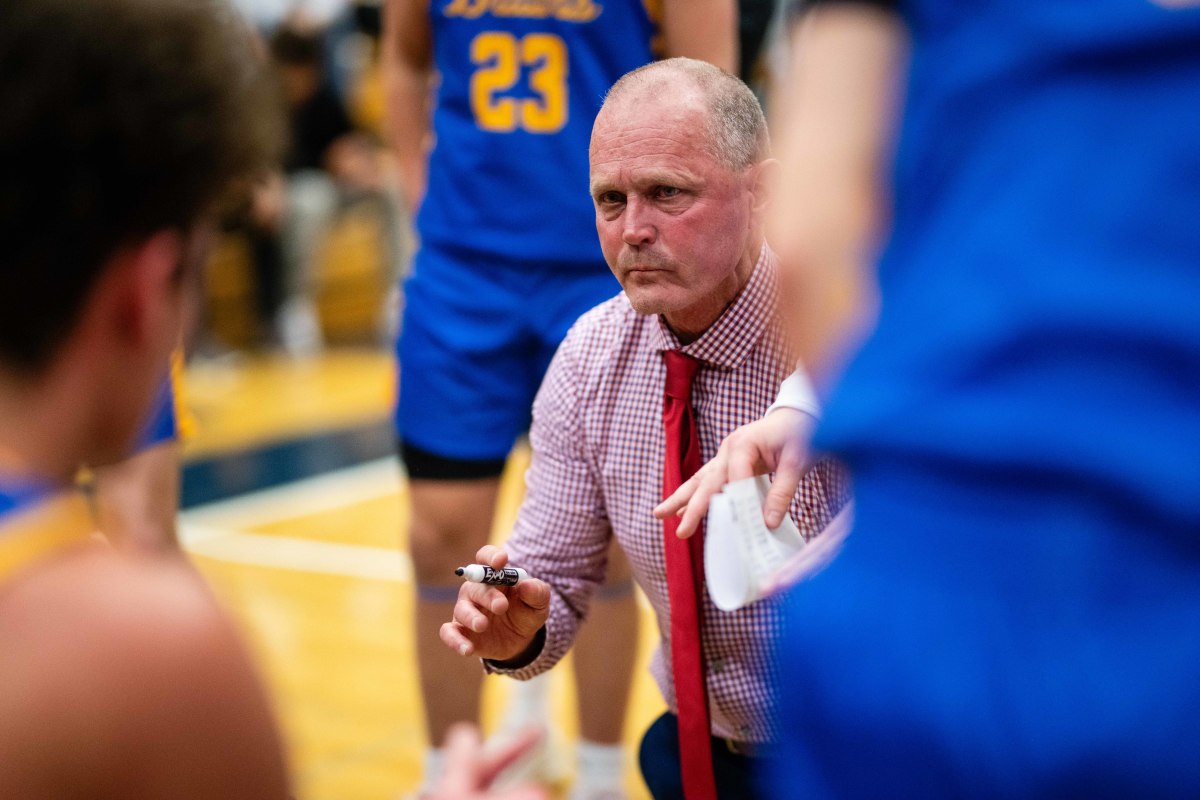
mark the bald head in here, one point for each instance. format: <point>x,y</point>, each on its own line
<point>735,126</point>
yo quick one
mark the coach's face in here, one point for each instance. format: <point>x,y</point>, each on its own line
<point>677,227</point>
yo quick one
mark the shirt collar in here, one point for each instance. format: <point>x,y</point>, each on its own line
<point>728,342</point>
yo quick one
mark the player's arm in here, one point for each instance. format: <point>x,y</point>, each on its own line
<point>835,120</point>
<point>835,116</point>
<point>703,29</point>
<point>408,74</point>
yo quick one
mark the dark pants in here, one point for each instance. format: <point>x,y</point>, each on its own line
<point>659,759</point>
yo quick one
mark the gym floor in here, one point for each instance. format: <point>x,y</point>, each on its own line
<point>295,511</point>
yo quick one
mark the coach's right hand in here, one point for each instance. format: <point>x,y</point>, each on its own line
<point>498,623</point>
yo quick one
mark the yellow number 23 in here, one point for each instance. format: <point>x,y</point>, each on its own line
<point>499,58</point>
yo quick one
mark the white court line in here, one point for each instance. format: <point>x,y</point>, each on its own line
<point>213,530</point>
<point>326,492</point>
<point>302,555</point>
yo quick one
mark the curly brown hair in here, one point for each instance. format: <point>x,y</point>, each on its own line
<point>118,119</point>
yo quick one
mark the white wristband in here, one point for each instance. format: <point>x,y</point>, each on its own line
<point>797,392</point>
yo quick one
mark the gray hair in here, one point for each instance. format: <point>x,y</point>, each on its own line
<point>736,126</point>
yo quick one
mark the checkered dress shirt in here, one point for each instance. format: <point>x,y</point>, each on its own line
<point>598,446</point>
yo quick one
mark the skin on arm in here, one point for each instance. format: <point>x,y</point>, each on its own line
<point>834,130</point>
<point>134,686</point>
<point>407,62</point>
<point>703,29</point>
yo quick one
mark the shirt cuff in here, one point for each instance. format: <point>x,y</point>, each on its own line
<point>797,392</point>
<point>521,661</point>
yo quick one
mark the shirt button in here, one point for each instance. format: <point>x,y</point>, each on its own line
<point>744,730</point>
<point>717,666</point>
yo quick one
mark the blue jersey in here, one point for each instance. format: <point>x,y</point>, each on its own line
<point>521,82</point>
<point>17,495</point>
<point>1015,612</point>
<point>1041,289</point>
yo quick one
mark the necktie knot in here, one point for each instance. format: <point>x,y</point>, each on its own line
<point>681,371</point>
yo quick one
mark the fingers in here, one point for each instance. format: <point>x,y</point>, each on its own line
<point>495,761</point>
<point>712,480</point>
<point>460,774</point>
<point>520,793</point>
<point>455,637</point>
<point>779,496</point>
<point>492,556</point>
<point>476,603</point>
<point>470,770</point>
<point>487,598</point>
<point>534,593</point>
<point>678,499</point>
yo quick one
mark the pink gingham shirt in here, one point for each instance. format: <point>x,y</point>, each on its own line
<point>598,446</point>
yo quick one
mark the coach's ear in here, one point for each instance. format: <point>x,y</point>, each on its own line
<point>762,178</point>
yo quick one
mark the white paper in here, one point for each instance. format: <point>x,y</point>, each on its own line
<point>745,561</point>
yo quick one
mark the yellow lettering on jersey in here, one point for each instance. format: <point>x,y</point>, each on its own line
<point>470,9</point>
<point>548,55</point>
<point>499,56</point>
<point>495,54</point>
<point>565,10</point>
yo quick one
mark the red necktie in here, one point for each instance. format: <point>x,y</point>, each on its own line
<point>685,576</point>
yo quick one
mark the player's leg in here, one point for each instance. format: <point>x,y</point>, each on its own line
<point>461,406</point>
<point>312,200</point>
<point>450,520</point>
<point>605,652</point>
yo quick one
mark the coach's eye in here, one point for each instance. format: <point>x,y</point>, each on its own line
<point>668,192</point>
<point>611,198</point>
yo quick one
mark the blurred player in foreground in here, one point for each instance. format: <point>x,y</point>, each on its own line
<point>1014,615</point>
<point>119,676</point>
<point>508,261</point>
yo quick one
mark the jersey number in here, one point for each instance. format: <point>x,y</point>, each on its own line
<point>499,58</point>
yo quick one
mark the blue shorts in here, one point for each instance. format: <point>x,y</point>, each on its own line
<point>476,340</point>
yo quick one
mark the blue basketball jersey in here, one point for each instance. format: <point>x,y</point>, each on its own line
<point>1014,614</point>
<point>17,495</point>
<point>521,82</point>
<point>1041,289</point>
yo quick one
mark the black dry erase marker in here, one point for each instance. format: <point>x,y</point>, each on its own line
<point>481,573</point>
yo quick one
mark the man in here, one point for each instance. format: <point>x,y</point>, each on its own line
<point>1014,613</point>
<point>124,124</point>
<point>679,165</point>
<point>507,263</point>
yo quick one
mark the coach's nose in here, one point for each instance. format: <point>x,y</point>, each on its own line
<point>638,229</point>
